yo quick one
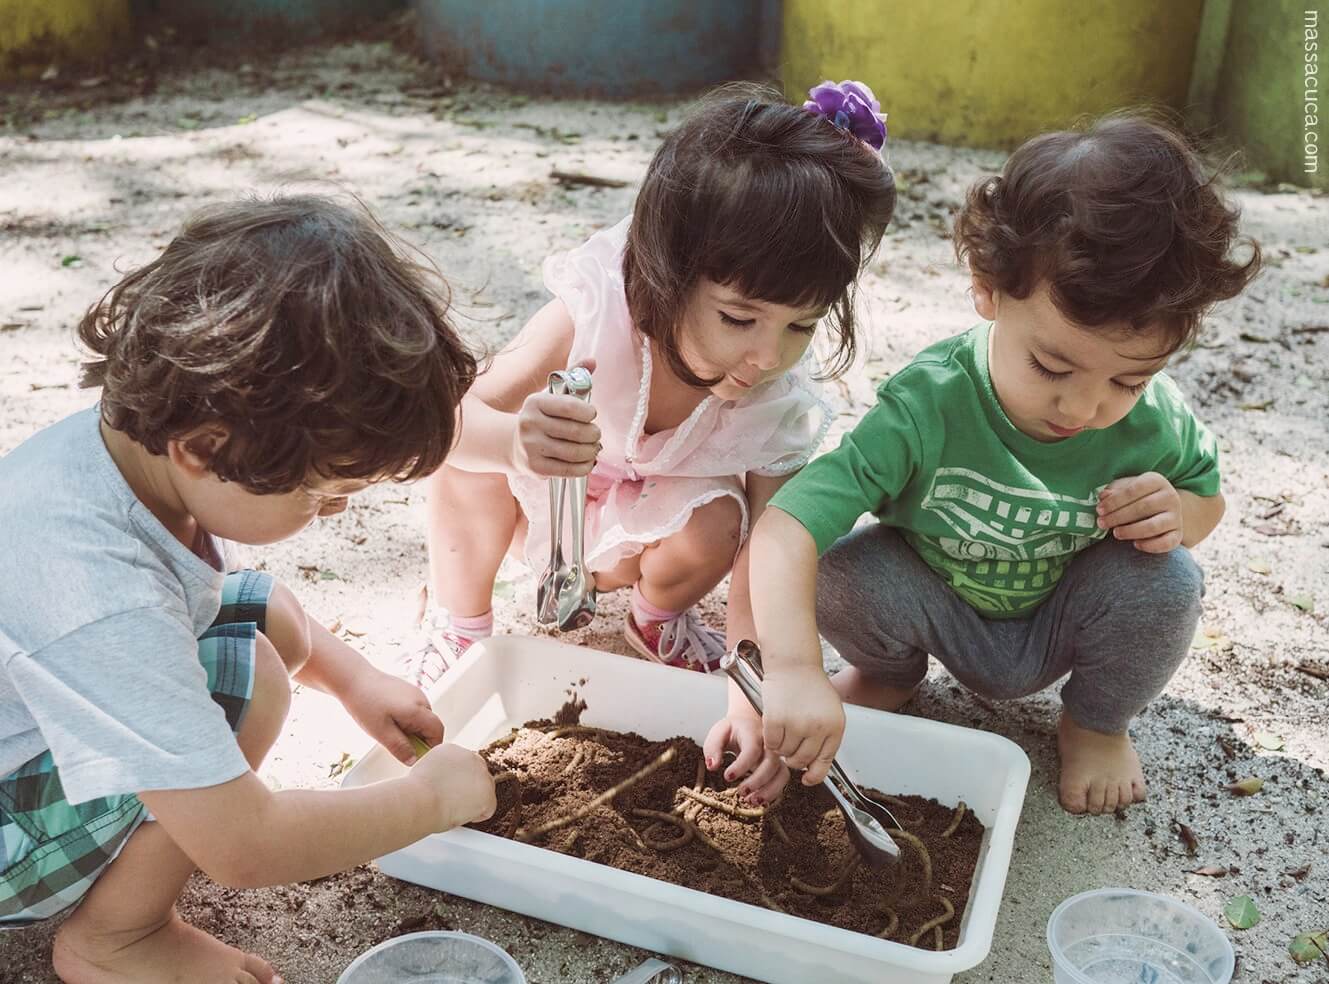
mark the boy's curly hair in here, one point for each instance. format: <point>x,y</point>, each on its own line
<point>765,197</point>
<point>1122,221</point>
<point>299,323</point>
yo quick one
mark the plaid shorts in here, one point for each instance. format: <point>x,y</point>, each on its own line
<point>51,851</point>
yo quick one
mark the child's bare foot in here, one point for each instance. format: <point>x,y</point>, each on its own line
<point>175,951</point>
<point>1099,773</point>
<point>855,687</point>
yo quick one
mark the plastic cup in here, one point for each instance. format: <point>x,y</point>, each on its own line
<point>1121,936</point>
<point>434,958</point>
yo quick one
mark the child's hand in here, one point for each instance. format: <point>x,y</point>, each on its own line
<point>555,436</point>
<point>741,734</point>
<point>1145,509</point>
<point>804,719</point>
<point>391,711</point>
<point>462,788</point>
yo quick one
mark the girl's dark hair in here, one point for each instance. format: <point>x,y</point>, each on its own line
<point>299,323</point>
<point>760,196</point>
<point>1122,221</point>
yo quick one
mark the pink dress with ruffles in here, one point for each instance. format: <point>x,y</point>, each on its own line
<point>645,486</point>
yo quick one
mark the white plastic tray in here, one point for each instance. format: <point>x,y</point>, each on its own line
<point>507,681</point>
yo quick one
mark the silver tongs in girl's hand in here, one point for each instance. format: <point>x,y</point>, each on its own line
<point>566,592</point>
<point>865,819</point>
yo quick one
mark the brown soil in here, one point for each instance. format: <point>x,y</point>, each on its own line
<point>650,807</point>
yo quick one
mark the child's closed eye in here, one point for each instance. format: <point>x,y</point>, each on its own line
<point>1134,389</point>
<point>1043,370</point>
<point>729,319</point>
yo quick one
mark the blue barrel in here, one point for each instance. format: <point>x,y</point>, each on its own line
<point>606,48</point>
<point>270,20</point>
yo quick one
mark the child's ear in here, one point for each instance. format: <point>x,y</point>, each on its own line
<point>193,451</point>
<point>985,298</point>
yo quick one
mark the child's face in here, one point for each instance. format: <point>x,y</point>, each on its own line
<point>228,510</point>
<point>1055,379</point>
<point>747,341</point>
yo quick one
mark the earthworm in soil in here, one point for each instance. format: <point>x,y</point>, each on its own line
<point>778,827</point>
<point>917,844</point>
<point>840,881</point>
<point>936,923</point>
<point>578,757</point>
<point>665,757</point>
<point>701,835</point>
<point>892,925</point>
<point>730,808</point>
<point>955,820</point>
<point>915,821</point>
<point>684,838</point>
<point>563,730</point>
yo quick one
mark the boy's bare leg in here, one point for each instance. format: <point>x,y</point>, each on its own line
<point>1099,772</point>
<point>126,930</point>
<point>856,687</point>
<point>472,518</point>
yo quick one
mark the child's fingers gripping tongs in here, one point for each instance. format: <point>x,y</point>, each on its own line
<point>566,592</point>
<point>865,819</point>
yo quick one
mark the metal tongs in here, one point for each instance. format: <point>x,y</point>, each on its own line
<point>865,819</point>
<point>566,592</point>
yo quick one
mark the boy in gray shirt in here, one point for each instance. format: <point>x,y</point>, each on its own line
<point>279,356</point>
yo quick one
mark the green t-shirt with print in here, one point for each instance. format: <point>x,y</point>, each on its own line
<point>997,514</point>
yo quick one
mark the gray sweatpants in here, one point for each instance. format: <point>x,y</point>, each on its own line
<point>1119,622</point>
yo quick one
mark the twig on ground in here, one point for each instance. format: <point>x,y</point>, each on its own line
<point>591,180</point>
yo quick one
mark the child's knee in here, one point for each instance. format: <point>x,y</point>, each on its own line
<point>269,701</point>
<point>718,523</point>
<point>287,629</point>
<point>1169,585</point>
<point>1172,584</point>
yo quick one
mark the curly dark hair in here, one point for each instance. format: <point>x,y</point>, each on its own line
<point>1122,221</point>
<point>300,323</point>
<point>762,196</point>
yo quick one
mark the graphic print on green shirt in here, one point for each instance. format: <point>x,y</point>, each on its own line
<point>994,512</point>
<point>1011,543</point>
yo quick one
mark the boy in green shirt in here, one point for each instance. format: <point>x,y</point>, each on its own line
<point>1037,479</point>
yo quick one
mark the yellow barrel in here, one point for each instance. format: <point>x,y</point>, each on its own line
<point>983,74</point>
<point>35,34</point>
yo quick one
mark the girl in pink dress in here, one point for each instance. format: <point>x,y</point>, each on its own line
<point>695,315</point>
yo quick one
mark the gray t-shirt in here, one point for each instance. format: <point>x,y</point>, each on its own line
<point>100,613</point>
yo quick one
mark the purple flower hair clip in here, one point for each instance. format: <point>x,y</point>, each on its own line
<point>852,107</point>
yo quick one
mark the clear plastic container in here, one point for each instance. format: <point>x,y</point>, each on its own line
<point>1121,936</point>
<point>434,958</point>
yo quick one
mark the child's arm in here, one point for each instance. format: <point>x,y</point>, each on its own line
<point>804,718</point>
<point>390,710</point>
<point>244,835</point>
<point>509,423</point>
<point>1148,510</point>
<point>740,730</point>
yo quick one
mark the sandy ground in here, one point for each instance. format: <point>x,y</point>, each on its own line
<point>94,179</point>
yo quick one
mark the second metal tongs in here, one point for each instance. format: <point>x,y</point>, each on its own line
<point>566,591</point>
<point>865,819</point>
